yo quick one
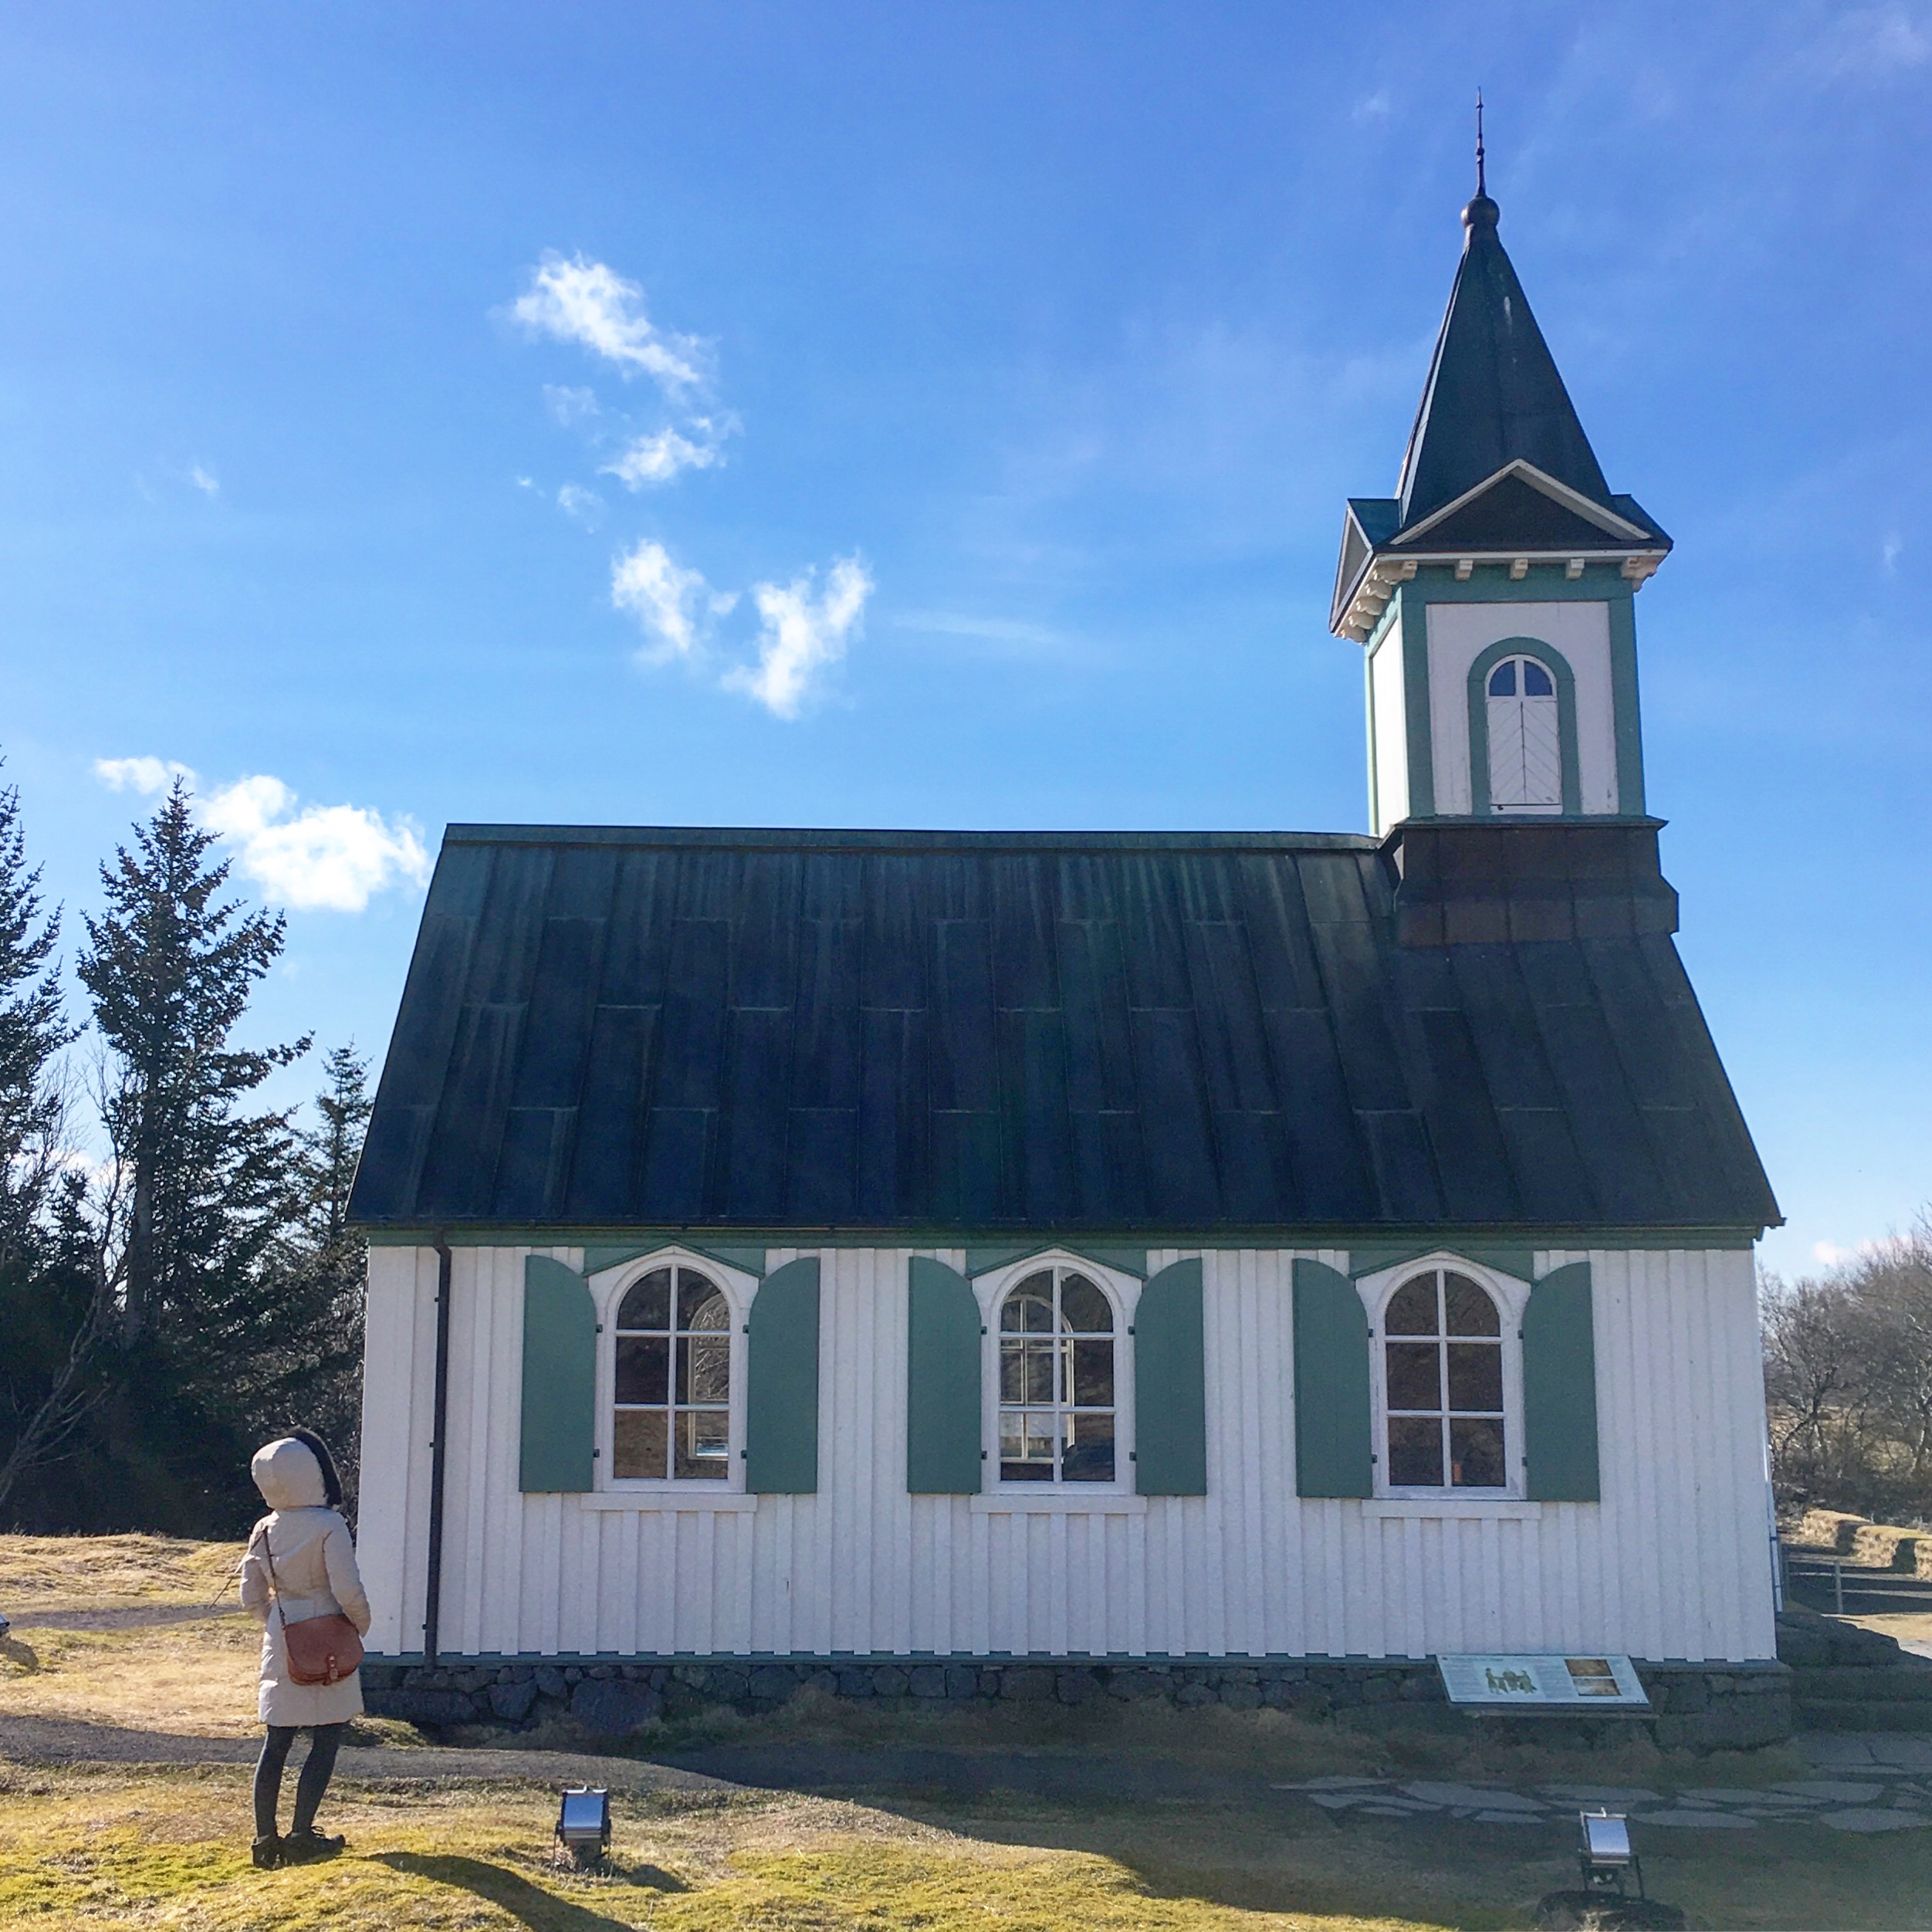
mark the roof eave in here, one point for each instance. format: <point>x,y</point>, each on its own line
<point>1389,565</point>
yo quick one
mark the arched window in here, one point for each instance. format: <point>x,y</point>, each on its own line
<point>1443,1363</point>
<point>1525,742</point>
<point>1057,1381</point>
<point>673,1387</point>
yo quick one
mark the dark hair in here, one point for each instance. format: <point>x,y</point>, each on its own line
<point>316,1447</point>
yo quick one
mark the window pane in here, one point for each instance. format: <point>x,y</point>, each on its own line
<point>1475,1376</point>
<point>1411,1308</point>
<point>1415,1452</point>
<point>1502,680</point>
<point>1476,1454</point>
<point>699,1305</point>
<point>1093,1374</point>
<point>1536,680</point>
<point>1029,1307</point>
<point>1085,1307</point>
<point>1088,1458</point>
<point>1036,1384</point>
<point>1012,1371</point>
<point>704,1368</point>
<point>703,1440</point>
<point>638,1449</point>
<point>646,1303</point>
<point>1471,1312</point>
<point>1025,1456</point>
<point>1415,1379</point>
<point>643,1367</point>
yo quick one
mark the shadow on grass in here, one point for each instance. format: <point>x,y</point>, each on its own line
<point>529,1904</point>
<point>19,1654</point>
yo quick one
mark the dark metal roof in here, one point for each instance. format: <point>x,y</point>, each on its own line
<point>1493,394</point>
<point>993,1031</point>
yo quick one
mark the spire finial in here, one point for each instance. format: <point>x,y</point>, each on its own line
<point>1481,211</point>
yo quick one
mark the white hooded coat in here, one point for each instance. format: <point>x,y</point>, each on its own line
<point>315,1565</point>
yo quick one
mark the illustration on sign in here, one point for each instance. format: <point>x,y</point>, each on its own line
<point>1541,1680</point>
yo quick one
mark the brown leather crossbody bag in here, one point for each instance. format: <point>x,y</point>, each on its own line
<point>321,1650</point>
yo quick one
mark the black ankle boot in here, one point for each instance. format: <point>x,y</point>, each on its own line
<point>266,1852</point>
<point>309,1846</point>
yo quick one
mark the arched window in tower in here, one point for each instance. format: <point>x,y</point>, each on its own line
<point>1525,750</point>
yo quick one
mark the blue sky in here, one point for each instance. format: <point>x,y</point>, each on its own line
<point>852,415</point>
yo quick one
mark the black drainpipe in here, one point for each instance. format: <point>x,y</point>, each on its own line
<point>433,1594</point>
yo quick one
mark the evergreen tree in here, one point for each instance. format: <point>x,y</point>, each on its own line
<point>170,967</point>
<point>45,1306</point>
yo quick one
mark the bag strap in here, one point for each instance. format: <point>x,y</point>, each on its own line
<point>275,1582</point>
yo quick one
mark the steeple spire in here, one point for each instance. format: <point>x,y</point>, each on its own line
<point>1482,187</point>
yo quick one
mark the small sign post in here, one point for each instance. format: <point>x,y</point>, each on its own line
<point>1592,1683</point>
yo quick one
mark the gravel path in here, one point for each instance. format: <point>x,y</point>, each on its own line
<point>131,1619</point>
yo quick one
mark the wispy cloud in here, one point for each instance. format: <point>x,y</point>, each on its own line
<point>568,406</point>
<point>994,636</point>
<point>146,776</point>
<point>585,505</point>
<point>207,485</point>
<point>1875,43</point>
<point>329,858</point>
<point>1371,107</point>
<point>671,603</point>
<point>658,458</point>
<point>803,637</point>
<point>589,303</point>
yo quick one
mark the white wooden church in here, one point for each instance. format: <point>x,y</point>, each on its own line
<point>957,1246</point>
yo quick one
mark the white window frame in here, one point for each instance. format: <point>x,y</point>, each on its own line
<point>1123,1294</point>
<point>608,1288</point>
<point>1511,1297</point>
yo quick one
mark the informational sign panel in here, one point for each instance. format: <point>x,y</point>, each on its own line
<point>1601,1682</point>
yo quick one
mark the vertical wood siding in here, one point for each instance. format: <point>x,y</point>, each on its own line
<point>1674,1562</point>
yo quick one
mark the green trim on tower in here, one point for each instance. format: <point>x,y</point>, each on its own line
<point>1415,697</point>
<point>1625,717</point>
<point>1558,667</point>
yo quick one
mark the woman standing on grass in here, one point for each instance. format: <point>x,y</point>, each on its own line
<point>300,1563</point>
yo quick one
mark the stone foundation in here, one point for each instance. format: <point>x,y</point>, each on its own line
<point>1701,1706</point>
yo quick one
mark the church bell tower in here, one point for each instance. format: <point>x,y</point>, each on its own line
<point>1492,594</point>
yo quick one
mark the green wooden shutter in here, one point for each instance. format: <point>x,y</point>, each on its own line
<point>1170,1386</point>
<point>1332,1455</point>
<point>781,1383</point>
<point>1559,1389</point>
<point>942,1370</point>
<point>560,1379</point>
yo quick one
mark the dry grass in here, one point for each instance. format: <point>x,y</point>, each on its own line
<point>1829,1529</point>
<point>192,1679</point>
<point>112,1850</point>
<point>1886,1547</point>
<point>40,1573</point>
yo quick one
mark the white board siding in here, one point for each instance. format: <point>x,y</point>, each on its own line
<point>1674,1563</point>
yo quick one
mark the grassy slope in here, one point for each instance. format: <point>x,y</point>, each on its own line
<point>113,1572</point>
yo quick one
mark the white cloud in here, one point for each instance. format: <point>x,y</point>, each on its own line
<point>585,505</point>
<point>322,856</point>
<point>803,636</point>
<point>1374,106</point>
<point>658,459</point>
<point>1890,550</point>
<point>1832,1256</point>
<point>202,481</point>
<point>669,602</point>
<point>589,303</point>
<point>568,406</point>
<point>146,776</point>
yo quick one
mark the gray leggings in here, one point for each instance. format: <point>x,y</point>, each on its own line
<point>325,1741</point>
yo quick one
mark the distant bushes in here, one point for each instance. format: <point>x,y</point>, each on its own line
<point>1847,1384</point>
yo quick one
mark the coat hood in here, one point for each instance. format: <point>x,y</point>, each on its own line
<point>288,1475</point>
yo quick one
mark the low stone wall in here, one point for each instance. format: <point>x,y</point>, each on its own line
<point>1701,1706</point>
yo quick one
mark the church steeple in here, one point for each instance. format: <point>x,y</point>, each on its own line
<point>1502,525</point>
